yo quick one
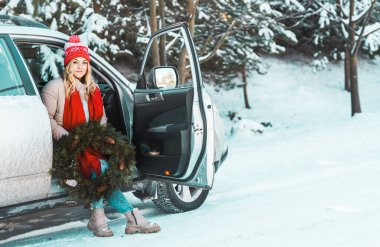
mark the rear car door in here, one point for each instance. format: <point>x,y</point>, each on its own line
<point>170,129</point>
<point>25,135</point>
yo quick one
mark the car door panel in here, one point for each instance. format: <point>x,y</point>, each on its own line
<point>163,126</point>
<point>179,116</point>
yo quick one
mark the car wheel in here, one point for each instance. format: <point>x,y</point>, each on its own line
<point>175,198</point>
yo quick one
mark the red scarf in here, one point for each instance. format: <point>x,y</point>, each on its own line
<point>73,116</point>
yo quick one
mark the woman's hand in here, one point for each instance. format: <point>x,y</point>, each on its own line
<point>122,165</point>
<point>109,140</point>
<point>59,132</point>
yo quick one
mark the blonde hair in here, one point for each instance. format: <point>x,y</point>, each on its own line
<point>69,81</point>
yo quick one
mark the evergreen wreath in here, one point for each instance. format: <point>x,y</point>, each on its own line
<point>92,134</point>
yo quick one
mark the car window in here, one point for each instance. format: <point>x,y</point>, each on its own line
<point>10,80</point>
<point>168,50</point>
<point>45,62</point>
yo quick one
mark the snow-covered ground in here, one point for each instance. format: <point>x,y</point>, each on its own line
<point>312,179</point>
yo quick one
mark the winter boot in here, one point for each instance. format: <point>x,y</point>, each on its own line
<point>98,224</point>
<point>137,223</point>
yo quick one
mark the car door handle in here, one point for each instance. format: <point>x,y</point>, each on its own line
<point>153,97</point>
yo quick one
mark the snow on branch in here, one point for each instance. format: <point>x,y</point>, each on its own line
<point>368,16</point>
<point>10,6</point>
<point>371,29</point>
<point>218,45</point>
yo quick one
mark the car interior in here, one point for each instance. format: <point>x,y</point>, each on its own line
<point>34,56</point>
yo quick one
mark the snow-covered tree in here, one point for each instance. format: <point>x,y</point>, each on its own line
<point>322,33</point>
<point>340,29</point>
<point>109,27</point>
<point>230,34</point>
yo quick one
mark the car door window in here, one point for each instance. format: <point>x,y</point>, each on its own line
<point>45,61</point>
<point>172,53</point>
<point>10,81</point>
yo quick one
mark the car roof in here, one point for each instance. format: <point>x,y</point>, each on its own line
<point>15,25</point>
<point>20,21</point>
<point>33,31</point>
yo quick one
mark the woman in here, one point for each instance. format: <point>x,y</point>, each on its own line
<point>72,101</point>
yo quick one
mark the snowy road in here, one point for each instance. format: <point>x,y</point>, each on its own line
<point>311,180</point>
<point>292,188</point>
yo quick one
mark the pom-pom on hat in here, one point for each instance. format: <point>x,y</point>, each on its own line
<point>74,48</point>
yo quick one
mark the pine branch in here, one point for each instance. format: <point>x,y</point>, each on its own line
<point>303,18</point>
<point>337,18</point>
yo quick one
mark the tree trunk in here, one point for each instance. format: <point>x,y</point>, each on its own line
<point>347,69</point>
<point>153,28</point>
<point>355,101</point>
<point>245,83</point>
<point>162,37</point>
<point>183,73</point>
<point>35,5</point>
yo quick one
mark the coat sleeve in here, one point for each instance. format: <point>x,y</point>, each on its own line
<point>49,97</point>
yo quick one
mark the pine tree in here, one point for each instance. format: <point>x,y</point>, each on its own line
<point>109,27</point>
<point>343,29</point>
<point>229,34</point>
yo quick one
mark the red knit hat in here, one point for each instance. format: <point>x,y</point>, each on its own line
<point>74,48</point>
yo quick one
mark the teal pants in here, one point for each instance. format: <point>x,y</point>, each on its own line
<point>117,200</point>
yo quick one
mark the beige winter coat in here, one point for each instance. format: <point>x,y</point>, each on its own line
<point>53,97</point>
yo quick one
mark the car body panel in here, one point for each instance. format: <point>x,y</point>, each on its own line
<point>26,150</point>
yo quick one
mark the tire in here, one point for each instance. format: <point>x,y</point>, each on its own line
<point>174,198</point>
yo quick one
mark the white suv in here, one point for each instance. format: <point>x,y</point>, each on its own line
<point>172,121</point>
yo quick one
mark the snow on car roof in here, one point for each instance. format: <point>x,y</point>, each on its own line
<point>15,25</point>
<point>20,21</point>
<point>33,31</point>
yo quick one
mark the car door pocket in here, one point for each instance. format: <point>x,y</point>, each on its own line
<point>167,139</point>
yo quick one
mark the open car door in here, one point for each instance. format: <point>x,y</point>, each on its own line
<point>170,125</point>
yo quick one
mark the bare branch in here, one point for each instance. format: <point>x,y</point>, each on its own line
<point>303,18</point>
<point>219,44</point>
<point>208,40</point>
<point>373,31</point>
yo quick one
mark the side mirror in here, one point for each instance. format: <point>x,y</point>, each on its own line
<point>163,77</point>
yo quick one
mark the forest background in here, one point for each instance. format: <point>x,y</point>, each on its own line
<point>231,36</point>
